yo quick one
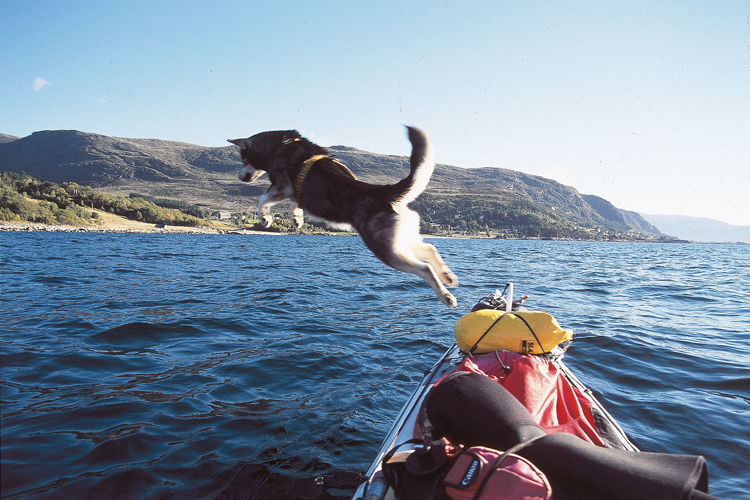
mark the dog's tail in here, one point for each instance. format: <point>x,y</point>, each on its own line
<point>422,163</point>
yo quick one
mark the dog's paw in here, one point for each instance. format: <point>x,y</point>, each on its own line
<point>267,220</point>
<point>449,300</point>
<point>449,278</point>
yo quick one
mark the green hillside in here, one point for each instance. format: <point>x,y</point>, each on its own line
<point>24,198</point>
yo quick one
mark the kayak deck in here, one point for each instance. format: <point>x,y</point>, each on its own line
<point>373,488</point>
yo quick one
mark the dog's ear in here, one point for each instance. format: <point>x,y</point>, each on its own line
<point>243,143</point>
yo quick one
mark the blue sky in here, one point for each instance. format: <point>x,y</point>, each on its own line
<point>646,104</point>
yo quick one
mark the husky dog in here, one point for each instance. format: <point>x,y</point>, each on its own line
<point>304,173</point>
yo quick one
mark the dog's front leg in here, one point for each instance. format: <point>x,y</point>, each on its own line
<point>268,199</point>
<point>297,216</point>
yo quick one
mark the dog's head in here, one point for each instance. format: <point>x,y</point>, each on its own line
<point>258,151</point>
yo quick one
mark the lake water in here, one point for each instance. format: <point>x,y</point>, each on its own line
<point>158,366</point>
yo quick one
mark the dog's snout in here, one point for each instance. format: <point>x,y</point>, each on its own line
<point>250,174</point>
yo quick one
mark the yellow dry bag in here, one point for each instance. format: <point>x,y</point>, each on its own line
<point>524,332</point>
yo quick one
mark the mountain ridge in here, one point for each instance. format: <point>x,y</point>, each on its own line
<point>207,176</point>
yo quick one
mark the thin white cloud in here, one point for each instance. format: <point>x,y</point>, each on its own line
<point>39,83</point>
<point>102,100</point>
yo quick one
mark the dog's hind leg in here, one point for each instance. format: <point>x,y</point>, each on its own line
<point>398,254</point>
<point>425,251</point>
<point>271,197</point>
<point>396,241</point>
<point>411,264</point>
<point>407,235</point>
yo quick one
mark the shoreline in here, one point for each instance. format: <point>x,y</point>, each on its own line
<point>145,228</point>
<point>153,229</point>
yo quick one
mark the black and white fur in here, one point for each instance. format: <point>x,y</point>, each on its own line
<point>378,213</point>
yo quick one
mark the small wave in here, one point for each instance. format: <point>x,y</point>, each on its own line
<point>53,280</point>
<point>139,335</point>
<point>696,298</point>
